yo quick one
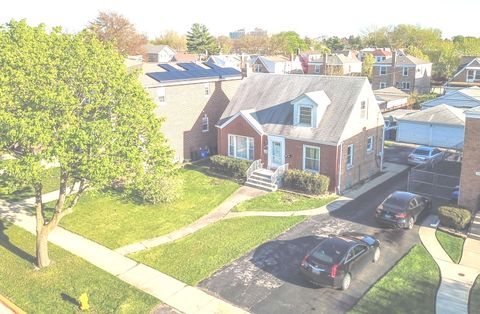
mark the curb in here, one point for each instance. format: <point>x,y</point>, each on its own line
<point>15,309</point>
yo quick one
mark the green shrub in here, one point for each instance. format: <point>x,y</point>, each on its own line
<point>229,166</point>
<point>454,217</point>
<point>307,182</point>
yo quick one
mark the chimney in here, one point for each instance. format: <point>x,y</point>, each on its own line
<point>325,58</point>
<point>394,64</point>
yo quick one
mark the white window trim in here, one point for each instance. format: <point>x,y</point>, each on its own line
<point>234,136</point>
<point>372,139</point>
<point>205,118</point>
<point>316,68</point>
<point>350,162</point>
<point>403,71</point>
<point>406,83</point>
<point>304,157</point>
<point>383,67</point>
<point>383,85</point>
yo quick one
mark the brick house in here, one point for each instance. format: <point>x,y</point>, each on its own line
<point>405,72</point>
<point>467,75</point>
<point>191,97</point>
<point>325,124</point>
<point>336,64</point>
<point>470,176</point>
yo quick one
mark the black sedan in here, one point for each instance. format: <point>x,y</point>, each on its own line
<point>402,209</point>
<point>336,260</point>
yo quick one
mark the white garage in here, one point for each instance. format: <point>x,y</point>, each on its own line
<point>441,126</point>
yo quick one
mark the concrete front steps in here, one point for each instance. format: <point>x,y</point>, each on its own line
<point>262,179</point>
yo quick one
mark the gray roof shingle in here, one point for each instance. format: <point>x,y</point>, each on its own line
<point>270,96</point>
<point>442,114</point>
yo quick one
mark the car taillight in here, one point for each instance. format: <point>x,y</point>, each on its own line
<point>401,215</point>
<point>305,260</point>
<point>333,271</point>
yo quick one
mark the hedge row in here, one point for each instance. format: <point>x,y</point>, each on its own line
<point>454,217</point>
<point>308,182</point>
<point>229,166</point>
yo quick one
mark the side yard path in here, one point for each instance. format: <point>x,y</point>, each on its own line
<point>173,292</point>
<point>456,279</point>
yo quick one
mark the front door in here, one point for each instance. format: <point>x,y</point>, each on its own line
<point>276,151</point>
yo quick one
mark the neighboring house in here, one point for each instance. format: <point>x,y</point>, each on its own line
<point>441,126</point>
<point>159,53</point>
<point>463,98</point>
<point>277,65</point>
<point>379,53</point>
<point>230,61</point>
<point>324,124</point>
<point>470,176</point>
<point>191,97</point>
<point>336,64</point>
<point>405,72</point>
<point>390,98</point>
<point>468,73</point>
<point>181,56</point>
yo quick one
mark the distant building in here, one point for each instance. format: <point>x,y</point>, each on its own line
<point>237,34</point>
<point>277,64</point>
<point>258,32</point>
<point>341,63</point>
<point>191,97</point>
<point>159,53</point>
<point>468,73</point>
<point>465,98</point>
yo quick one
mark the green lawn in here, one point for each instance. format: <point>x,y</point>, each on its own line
<point>50,183</point>
<point>474,306</point>
<point>283,201</point>
<point>410,287</point>
<point>199,255</point>
<point>54,289</point>
<point>451,244</point>
<point>114,221</point>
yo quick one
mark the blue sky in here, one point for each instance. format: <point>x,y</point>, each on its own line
<point>311,18</point>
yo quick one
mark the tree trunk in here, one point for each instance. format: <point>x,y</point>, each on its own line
<point>43,260</point>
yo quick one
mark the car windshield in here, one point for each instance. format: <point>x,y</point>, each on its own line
<point>421,152</point>
<point>331,251</point>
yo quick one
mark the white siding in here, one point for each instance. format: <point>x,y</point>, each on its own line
<point>429,134</point>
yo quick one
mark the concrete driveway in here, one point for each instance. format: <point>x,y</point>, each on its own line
<point>266,280</point>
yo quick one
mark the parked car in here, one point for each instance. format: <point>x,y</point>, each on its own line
<point>424,154</point>
<point>402,209</point>
<point>338,259</point>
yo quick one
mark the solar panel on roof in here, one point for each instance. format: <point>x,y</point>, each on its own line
<point>190,66</point>
<point>167,67</point>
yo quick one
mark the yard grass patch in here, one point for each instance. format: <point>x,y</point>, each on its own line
<point>199,255</point>
<point>283,201</point>
<point>474,301</point>
<point>409,287</point>
<point>113,221</point>
<point>453,245</point>
<point>51,182</point>
<point>56,288</point>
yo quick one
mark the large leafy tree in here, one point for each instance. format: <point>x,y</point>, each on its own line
<point>117,29</point>
<point>69,99</point>
<point>367,65</point>
<point>200,41</point>
<point>287,43</point>
<point>172,39</point>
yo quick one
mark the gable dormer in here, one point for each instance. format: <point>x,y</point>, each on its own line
<point>308,108</point>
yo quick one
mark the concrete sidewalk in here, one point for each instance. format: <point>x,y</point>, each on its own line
<point>456,279</point>
<point>242,194</point>
<point>173,292</point>
<point>391,170</point>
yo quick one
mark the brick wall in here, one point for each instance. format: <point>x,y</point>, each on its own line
<point>365,164</point>
<point>469,181</point>
<point>184,109</point>
<point>419,85</point>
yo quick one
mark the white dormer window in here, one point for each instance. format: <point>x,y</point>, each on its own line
<point>305,115</point>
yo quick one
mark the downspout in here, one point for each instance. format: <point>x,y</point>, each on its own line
<point>340,169</point>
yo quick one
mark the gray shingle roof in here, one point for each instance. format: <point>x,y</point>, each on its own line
<point>442,114</point>
<point>462,98</point>
<point>389,93</point>
<point>270,96</point>
<point>404,60</point>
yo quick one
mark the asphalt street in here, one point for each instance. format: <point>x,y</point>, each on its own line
<point>267,280</point>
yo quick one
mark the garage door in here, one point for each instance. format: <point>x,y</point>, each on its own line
<point>446,136</point>
<point>429,134</point>
<point>415,133</point>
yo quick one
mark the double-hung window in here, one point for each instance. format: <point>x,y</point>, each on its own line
<point>370,143</point>
<point>405,71</point>
<point>405,85</point>
<point>205,123</point>
<point>305,115</point>
<point>240,147</point>
<point>311,158</point>
<point>383,70</point>
<point>316,68</point>
<point>350,156</point>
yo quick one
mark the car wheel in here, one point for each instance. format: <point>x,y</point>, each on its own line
<point>411,222</point>
<point>347,280</point>
<point>376,255</point>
